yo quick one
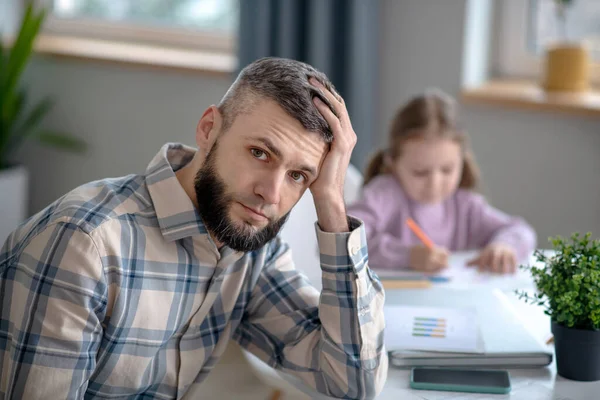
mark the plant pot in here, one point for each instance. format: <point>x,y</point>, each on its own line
<point>13,199</point>
<point>567,68</point>
<point>577,353</point>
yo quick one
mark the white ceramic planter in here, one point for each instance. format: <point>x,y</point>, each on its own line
<point>13,199</point>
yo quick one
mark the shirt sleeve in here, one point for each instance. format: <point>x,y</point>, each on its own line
<point>332,341</point>
<point>52,298</point>
<point>490,225</point>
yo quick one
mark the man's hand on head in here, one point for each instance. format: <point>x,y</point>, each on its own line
<point>328,189</point>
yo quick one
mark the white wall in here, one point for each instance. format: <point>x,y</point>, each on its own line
<point>545,170</point>
<point>124,113</point>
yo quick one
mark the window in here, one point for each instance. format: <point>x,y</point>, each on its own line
<point>581,22</point>
<point>191,24</point>
<point>528,26</point>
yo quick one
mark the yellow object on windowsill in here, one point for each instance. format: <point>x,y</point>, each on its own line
<point>567,68</point>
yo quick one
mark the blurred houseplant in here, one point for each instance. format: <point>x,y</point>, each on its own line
<point>567,62</point>
<point>20,121</point>
<point>568,287</point>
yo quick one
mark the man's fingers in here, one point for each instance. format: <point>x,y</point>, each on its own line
<point>328,97</point>
<point>336,101</point>
<point>334,98</point>
<point>332,120</point>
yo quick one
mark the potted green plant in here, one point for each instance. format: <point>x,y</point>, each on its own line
<point>567,61</point>
<point>568,287</point>
<point>20,121</point>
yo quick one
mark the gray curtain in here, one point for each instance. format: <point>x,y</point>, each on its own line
<point>338,37</point>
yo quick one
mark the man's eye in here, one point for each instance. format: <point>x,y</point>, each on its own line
<point>420,173</point>
<point>297,176</point>
<point>259,154</point>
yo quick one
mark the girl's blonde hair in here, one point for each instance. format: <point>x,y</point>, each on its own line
<point>433,113</point>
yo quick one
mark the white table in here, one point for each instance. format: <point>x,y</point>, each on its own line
<point>527,384</point>
<point>534,384</point>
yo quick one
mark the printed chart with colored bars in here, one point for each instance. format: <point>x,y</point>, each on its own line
<point>432,329</point>
<point>429,327</point>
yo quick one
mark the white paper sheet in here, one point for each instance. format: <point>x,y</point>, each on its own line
<point>459,275</point>
<point>432,329</point>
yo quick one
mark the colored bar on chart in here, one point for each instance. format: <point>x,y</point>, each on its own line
<point>430,319</point>
<point>434,335</point>
<point>415,329</point>
<point>434,325</point>
<point>429,327</point>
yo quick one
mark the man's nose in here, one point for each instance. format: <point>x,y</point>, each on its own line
<point>269,187</point>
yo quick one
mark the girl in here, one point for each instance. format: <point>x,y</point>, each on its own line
<point>428,174</point>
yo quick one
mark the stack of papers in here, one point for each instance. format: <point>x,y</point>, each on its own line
<point>445,326</point>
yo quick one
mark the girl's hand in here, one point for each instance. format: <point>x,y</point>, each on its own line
<point>496,257</point>
<point>422,258</point>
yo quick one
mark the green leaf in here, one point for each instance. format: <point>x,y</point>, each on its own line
<point>15,107</point>
<point>567,286</point>
<point>17,123</point>
<point>2,62</point>
<point>62,141</point>
<point>22,47</point>
<point>22,131</point>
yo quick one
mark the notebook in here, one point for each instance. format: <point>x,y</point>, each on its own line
<point>505,340</point>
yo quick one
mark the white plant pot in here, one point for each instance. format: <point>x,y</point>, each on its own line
<point>13,199</point>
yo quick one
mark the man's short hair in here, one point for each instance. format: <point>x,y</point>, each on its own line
<point>284,81</point>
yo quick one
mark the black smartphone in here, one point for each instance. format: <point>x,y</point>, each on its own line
<point>460,380</point>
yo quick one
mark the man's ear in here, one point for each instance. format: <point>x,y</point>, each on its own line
<point>208,128</point>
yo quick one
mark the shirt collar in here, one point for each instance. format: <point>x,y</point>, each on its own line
<point>177,216</point>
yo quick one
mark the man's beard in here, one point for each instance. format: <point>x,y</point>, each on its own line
<point>213,206</point>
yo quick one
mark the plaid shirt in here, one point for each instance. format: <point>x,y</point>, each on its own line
<point>116,290</point>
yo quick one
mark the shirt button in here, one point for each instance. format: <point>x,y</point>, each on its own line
<point>354,250</point>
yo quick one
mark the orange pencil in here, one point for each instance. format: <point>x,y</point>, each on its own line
<point>419,233</point>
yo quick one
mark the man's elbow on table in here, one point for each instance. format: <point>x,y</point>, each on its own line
<point>369,379</point>
<point>378,377</point>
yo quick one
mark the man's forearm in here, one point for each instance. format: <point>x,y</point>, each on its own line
<point>331,215</point>
<point>351,315</point>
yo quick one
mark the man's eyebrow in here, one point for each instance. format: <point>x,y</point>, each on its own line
<point>308,169</point>
<point>269,145</point>
<point>273,149</point>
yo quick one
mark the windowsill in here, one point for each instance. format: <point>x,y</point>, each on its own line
<point>136,54</point>
<point>528,95</point>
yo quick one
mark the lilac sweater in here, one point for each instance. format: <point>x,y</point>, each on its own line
<point>465,221</point>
